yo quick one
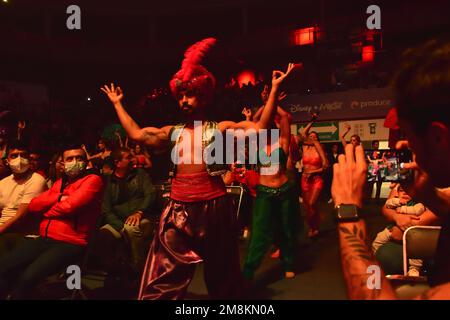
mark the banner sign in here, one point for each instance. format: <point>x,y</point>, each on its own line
<point>368,130</point>
<point>347,105</point>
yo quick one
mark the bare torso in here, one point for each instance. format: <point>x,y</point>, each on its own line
<point>278,177</point>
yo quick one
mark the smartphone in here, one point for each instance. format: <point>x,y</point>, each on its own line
<point>387,165</point>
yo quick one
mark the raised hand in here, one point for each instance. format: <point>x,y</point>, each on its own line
<point>279,76</point>
<point>247,112</point>
<point>281,96</point>
<point>347,127</point>
<point>114,94</point>
<point>349,176</point>
<point>314,116</point>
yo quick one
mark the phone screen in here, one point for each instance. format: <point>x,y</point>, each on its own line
<point>387,165</point>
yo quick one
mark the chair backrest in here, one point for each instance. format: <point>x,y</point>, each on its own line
<point>419,242</point>
<point>237,191</point>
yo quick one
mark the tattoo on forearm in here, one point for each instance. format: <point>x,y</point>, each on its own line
<point>357,241</point>
<point>356,259</point>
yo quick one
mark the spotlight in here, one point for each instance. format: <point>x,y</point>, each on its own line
<point>88,99</point>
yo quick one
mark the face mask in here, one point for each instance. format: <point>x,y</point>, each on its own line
<point>19,165</point>
<point>74,168</point>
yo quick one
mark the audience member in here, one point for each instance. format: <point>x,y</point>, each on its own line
<point>16,192</point>
<point>69,212</point>
<point>128,199</point>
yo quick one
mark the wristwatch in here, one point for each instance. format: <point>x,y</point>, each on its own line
<point>347,212</point>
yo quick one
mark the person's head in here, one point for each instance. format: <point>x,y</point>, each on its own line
<point>402,194</point>
<point>101,145</point>
<point>56,170</point>
<point>75,161</point>
<point>313,135</point>
<point>35,158</point>
<point>355,140</point>
<point>18,157</point>
<point>122,158</point>
<point>375,144</point>
<point>265,94</point>
<point>107,168</point>
<point>191,102</point>
<point>334,148</point>
<point>137,149</point>
<point>422,87</point>
<point>193,85</point>
<point>376,155</point>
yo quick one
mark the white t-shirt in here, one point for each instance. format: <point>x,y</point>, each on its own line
<point>14,193</point>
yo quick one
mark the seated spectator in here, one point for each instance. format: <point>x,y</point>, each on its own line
<point>143,159</point>
<point>36,163</point>
<point>128,198</point>
<point>69,211</point>
<point>4,171</point>
<point>107,167</point>
<point>56,170</point>
<point>390,253</point>
<point>402,203</point>
<point>16,192</point>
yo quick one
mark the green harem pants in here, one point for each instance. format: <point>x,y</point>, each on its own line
<point>275,213</point>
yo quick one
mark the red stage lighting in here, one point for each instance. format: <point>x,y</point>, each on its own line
<point>368,53</point>
<point>246,77</point>
<point>303,36</point>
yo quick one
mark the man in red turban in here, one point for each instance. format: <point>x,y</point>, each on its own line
<point>198,224</point>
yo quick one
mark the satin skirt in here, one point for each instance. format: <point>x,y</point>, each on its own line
<point>190,233</point>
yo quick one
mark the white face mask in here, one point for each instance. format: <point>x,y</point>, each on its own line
<point>19,165</point>
<point>74,168</point>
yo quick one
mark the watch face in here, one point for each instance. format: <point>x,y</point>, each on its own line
<point>347,212</point>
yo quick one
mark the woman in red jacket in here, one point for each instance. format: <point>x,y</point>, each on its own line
<point>69,212</point>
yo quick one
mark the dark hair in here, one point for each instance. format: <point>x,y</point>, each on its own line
<point>356,137</point>
<point>117,154</point>
<point>422,84</point>
<point>317,135</point>
<point>106,142</point>
<point>52,175</point>
<point>73,146</point>
<point>18,145</point>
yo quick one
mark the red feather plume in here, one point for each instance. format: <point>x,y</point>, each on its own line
<point>194,55</point>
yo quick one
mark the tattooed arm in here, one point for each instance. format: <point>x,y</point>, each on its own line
<point>356,257</point>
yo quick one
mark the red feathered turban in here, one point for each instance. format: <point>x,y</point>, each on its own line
<point>193,76</point>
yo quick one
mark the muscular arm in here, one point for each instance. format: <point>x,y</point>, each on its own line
<point>155,137</point>
<point>151,136</point>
